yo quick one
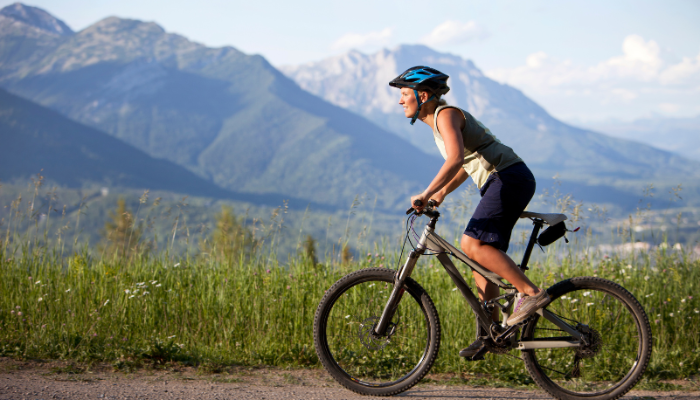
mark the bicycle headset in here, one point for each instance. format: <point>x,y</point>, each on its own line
<point>422,78</point>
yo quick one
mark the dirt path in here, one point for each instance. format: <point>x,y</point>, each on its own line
<point>46,381</point>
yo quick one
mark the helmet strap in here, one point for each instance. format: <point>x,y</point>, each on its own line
<point>415,116</point>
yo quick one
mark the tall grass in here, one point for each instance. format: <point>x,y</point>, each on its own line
<point>157,307</point>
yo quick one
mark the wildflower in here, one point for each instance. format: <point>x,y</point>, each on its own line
<point>670,314</point>
<point>170,337</point>
<point>586,293</point>
<point>127,291</point>
<point>288,287</point>
<point>589,304</point>
<point>668,299</point>
<point>650,294</point>
<point>268,271</point>
<point>369,254</point>
<point>680,364</point>
<point>656,321</point>
<point>574,300</point>
<point>123,339</point>
<point>132,296</point>
<point>683,301</point>
<point>37,282</point>
<point>43,326</point>
<point>690,297</point>
<point>30,278</point>
<point>381,265</point>
<point>454,289</point>
<point>106,302</point>
<point>67,290</point>
<point>347,316</point>
<point>41,298</point>
<point>646,277</point>
<point>696,311</point>
<point>382,257</point>
<point>94,334</point>
<point>18,307</point>
<point>12,312</point>
<point>376,255</point>
<point>19,313</point>
<point>176,265</point>
<point>158,285</point>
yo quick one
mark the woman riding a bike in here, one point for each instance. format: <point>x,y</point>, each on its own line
<point>505,183</point>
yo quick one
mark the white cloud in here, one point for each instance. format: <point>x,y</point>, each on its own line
<point>455,32</point>
<point>360,40</point>
<point>638,77</point>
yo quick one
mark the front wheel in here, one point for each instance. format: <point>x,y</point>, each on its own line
<point>619,341</point>
<point>359,359</point>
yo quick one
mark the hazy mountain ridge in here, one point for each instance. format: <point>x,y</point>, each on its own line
<point>224,115</point>
<point>679,135</point>
<point>359,82</point>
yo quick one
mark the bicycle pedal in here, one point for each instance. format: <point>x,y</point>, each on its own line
<point>480,354</point>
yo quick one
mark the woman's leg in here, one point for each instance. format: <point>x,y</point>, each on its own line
<point>498,262</point>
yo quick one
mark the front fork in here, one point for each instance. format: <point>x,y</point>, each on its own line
<point>399,279</point>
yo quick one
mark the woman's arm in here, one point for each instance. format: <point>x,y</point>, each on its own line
<point>458,180</point>
<point>449,124</point>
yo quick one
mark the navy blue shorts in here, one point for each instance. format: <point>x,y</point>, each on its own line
<point>504,197</point>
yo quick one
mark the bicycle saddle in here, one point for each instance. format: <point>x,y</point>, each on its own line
<point>549,219</point>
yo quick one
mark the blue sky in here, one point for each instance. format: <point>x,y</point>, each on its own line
<point>582,61</point>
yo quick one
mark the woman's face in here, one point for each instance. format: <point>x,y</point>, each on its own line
<point>408,101</point>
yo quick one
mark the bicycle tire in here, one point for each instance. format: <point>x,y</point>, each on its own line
<point>367,365</point>
<point>620,341</point>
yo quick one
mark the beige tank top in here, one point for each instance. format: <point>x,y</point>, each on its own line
<point>483,152</point>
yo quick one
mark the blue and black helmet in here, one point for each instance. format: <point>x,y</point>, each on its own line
<point>422,78</point>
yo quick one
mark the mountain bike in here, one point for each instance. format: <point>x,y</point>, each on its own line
<point>377,332</point>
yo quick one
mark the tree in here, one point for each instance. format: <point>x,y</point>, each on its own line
<point>230,238</point>
<point>120,235</point>
<point>310,250</point>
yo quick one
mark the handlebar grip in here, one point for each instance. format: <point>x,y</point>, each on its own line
<point>416,203</point>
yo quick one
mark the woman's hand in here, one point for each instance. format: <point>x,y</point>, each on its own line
<point>438,197</point>
<point>423,198</point>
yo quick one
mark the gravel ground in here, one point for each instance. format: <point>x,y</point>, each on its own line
<point>53,380</point>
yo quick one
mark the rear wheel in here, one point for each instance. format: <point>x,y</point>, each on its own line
<point>362,361</point>
<point>619,336</point>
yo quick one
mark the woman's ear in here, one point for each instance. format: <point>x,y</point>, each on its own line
<point>424,96</point>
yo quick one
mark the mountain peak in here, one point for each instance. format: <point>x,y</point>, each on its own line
<point>37,18</point>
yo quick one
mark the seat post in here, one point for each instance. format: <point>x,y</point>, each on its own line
<point>531,244</point>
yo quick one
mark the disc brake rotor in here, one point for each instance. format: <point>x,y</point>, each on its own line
<point>369,339</point>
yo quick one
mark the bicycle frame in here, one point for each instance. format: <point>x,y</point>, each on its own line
<point>431,241</point>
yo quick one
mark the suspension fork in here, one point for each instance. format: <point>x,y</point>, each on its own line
<point>399,279</point>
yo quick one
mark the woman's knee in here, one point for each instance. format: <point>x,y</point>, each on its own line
<point>470,246</point>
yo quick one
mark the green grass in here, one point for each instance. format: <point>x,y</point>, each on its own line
<point>152,311</point>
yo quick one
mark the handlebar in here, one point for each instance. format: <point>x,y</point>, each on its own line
<point>418,203</point>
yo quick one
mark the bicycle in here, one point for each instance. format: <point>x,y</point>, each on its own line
<point>592,341</point>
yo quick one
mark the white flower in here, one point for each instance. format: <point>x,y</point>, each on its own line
<point>176,265</point>
<point>41,298</point>
<point>105,303</point>
<point>170,337</point>
<point>347,316</point>
<point>158,285</point>
<point>670,315</point>
<point>127,291</point>
<point>132,296</point>
<point>646,278</point>
<point>67,290</point>
<point>589,304</point>
<point>454,289</point>
<point>574,300</point>
<point>650,294</point>
<point>683,301</point>
<point>37,282</point>
<point>586,293</point>
<point>680,364</point>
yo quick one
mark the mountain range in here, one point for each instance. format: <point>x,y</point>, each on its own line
<point>331,133</point>
<point>226,116</point>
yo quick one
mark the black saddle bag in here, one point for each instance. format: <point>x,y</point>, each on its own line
<point>552,234</point>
